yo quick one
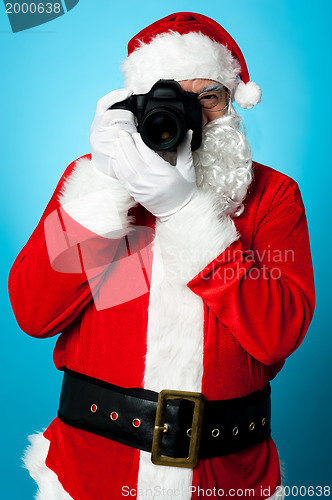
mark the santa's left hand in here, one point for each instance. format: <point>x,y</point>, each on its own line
<point>161,188</point>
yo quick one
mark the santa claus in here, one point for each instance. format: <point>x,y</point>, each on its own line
<point>188,272</point>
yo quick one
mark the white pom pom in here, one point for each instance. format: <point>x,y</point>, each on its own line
<point>247,94</point>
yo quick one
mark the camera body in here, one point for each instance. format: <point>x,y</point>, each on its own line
<point>165,114</point>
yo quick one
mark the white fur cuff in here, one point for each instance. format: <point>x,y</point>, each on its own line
<point>193,237</point>
<point>96,201</point>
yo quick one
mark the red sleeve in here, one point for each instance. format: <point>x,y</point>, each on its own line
<point>265,295</point>
<point>48,284</point>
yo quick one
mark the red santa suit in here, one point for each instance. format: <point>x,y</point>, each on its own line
<point>194,303</point>
<point>228,323</point>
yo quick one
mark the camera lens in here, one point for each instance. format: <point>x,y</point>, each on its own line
<point>162,130</point>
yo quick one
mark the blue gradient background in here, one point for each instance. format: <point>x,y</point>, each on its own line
<point>52,77</point>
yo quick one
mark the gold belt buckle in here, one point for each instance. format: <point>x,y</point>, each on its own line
<point>160,427</point>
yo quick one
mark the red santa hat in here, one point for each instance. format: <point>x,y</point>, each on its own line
<point>186,46</point>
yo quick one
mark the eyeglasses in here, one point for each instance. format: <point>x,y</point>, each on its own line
<point>213,100</point>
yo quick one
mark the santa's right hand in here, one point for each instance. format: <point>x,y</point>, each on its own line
<point>106,127</point>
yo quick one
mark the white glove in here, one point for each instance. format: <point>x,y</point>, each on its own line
<point>161,188</point>
<point>106,127</point>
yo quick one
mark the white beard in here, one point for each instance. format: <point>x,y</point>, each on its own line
<point>223,163</point>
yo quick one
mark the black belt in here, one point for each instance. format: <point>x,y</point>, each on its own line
<point>178,427</point>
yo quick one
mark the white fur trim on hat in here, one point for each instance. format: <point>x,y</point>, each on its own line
<point>247,94</point>
<point>180,57</point>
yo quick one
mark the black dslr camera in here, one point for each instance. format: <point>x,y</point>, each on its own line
<point>165,114</point>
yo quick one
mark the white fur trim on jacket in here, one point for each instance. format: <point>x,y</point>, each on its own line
<point>179,57</point>
<point>194,236</point>
<point>97,201</point>
<point>49,486</point>
<point>184,245</point>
